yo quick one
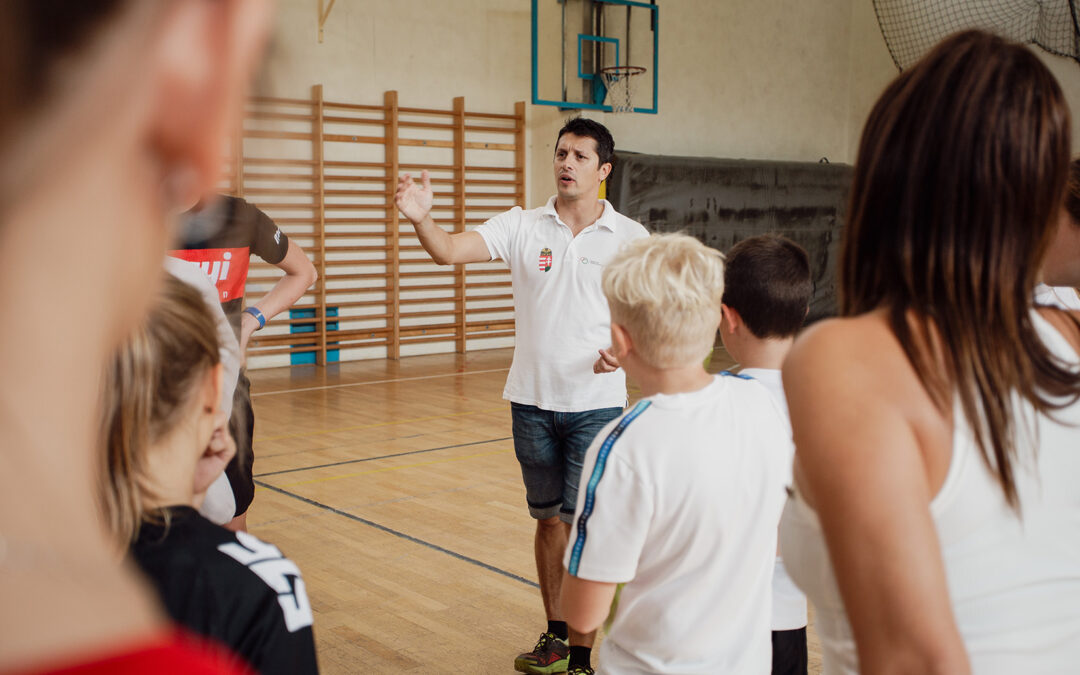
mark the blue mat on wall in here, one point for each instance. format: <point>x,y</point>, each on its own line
<point>306,358</point>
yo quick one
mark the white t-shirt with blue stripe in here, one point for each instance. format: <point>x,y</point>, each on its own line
<point>680,499</point>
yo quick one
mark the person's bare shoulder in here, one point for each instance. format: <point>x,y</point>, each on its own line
<point>855,362</point>
<point>846,344</point>
<point>848,381</point>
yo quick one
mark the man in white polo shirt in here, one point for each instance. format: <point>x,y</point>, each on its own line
<point>561,395</point>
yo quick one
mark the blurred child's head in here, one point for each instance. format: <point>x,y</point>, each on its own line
<point>767,290</point>
<point>664,292</point>
<point>162,424</point>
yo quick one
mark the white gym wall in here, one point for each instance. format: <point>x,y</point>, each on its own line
<point>781,80</point>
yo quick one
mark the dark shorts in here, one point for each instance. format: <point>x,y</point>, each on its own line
<point>240,471</point>
<point>789,652</point>
<point>550,446</point>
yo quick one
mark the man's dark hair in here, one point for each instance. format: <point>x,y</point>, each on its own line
<point>585,127</point>
<point>767,281</point>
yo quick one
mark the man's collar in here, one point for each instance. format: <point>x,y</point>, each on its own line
<point>606,219</point>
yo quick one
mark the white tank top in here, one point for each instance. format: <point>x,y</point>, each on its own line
<point>1014,579</point>
<point>1057,296</point>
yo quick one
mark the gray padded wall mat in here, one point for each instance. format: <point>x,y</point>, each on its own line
<point>721,201</point>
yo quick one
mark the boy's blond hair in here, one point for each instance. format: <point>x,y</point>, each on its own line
<point>665,290</point>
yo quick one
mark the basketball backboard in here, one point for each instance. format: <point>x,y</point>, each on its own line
<point>574,40</point>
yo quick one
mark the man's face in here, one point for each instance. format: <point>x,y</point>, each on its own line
<point>578,172</point>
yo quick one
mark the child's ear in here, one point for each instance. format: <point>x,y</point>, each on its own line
<point>621,343</point>
<point>730,321</point>
<point>211,392</point>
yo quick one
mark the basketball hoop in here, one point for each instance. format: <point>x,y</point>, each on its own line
<point>621,82</point>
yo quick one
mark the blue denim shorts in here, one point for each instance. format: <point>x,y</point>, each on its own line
<point>550,446</point>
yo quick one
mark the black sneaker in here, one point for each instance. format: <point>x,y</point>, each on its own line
<point>581,670</point>
<point>550,655</point>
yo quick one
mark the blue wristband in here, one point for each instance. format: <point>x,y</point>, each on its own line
<point>254,311</point>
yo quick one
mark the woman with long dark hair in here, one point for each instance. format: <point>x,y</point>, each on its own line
<point>936,521</point>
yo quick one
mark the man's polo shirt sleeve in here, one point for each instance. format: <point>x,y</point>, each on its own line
<point>498,233</point>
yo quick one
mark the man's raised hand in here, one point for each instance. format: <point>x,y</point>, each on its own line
<point>414,201</point>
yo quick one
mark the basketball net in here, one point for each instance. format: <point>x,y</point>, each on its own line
<point>621,83</point>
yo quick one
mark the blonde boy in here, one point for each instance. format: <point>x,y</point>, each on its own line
<point>681,495</point>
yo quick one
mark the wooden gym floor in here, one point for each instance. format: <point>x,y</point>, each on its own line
<point>393,485</point>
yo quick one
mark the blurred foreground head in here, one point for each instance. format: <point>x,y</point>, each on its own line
<point>113,113</point>
<point>119,108</point>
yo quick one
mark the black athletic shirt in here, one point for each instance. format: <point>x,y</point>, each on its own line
<point>230,587</point>
<point>221,238</point>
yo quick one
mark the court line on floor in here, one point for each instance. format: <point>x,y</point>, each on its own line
<point>341,445</point>
<point>372,459</point>
<point>364,384</point>
<point>375,425</point>
<point>401,535</point>
<point>327,479</point>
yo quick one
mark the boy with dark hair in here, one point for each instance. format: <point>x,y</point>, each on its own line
<point>767,283</point>
<point>767,291</point>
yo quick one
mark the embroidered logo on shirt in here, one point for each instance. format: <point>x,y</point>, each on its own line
<point>545,259</point>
